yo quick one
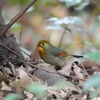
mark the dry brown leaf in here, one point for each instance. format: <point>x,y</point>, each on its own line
<point>78,73</point>
<point>2,78</point>
<point>29,95</point>
<point>88,64</point>
<point>91,66</point>
<point>1,97</point>
<point>7,70</point>
<point>63,94</point>
<point>24,80</point>
<point>66,69</point>
<point>54,92</point>
<point>74,97</point>
<point>12,68</point>
<point>84,97</point>
<point>5,87</point>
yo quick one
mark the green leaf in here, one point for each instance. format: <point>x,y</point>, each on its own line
<point>94,93</point>
<point>22,2</point>
<point>95,56</point>
<point>12,97</point>
<point>96,11</point>
<point>37,89</point>
<point>14,2</point>
<point>94,81</point>
<point>68,29</point>
<point>50,4</point>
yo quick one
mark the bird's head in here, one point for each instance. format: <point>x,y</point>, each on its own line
<point>43,46</point>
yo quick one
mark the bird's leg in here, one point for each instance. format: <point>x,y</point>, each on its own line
<point>57,67</point>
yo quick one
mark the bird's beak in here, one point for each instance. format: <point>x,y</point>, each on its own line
<point>37,45</point>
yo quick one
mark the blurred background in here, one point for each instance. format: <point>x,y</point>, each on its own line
<point>73,25</point>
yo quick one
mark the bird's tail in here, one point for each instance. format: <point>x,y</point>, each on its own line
<point>65,54</point>
<point>77,56</point>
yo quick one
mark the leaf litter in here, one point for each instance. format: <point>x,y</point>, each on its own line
<point>31,83</point>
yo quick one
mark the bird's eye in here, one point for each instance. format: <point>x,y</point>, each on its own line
<point>43,44</point>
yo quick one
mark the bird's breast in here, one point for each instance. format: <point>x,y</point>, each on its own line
<point>41,51</point>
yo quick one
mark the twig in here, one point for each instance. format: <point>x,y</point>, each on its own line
<point>90,69</point>
<point>62,37</point>
<point>24,52</point>
<point>9,49</point>
<point>20,37</point>
<point>49,71</point>
<point>72,77</point>
<point>17,17</point>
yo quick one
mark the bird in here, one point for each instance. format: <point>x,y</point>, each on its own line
<point>52,54</point>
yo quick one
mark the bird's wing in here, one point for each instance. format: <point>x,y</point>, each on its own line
<point>56,51</point>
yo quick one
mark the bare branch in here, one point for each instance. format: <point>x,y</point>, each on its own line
<point>17,17</point>
<point>9,49</point>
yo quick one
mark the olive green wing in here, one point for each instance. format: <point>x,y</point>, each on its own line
<point>56,51</point>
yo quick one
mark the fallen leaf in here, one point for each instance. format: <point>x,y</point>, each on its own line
<point>78,73</point>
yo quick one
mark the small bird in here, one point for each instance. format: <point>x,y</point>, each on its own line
<point>53,55</point>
